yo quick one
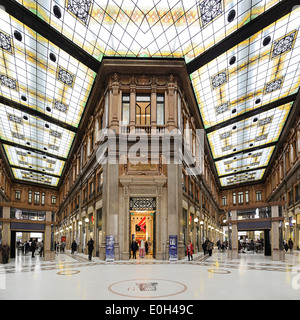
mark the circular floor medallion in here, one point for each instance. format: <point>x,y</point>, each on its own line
<point>68,272</point>
<point>219,271</point>
<point>147,288</point>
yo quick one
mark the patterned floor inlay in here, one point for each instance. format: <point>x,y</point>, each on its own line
<point>147,288</point>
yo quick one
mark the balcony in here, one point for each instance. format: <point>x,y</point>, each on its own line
<point>142,129</point>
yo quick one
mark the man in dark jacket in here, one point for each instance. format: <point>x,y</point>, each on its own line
<point>90,248</point>
<point>5,252</point>
<point>74,246</point>
<point>134,248</point>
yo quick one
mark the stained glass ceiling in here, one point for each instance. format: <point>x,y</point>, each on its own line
<point>242,57</point>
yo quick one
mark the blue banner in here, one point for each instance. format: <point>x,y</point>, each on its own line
<point>109,250</point>
<point>173,256</point>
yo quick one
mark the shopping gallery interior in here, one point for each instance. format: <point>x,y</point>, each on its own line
<point>149,149</point>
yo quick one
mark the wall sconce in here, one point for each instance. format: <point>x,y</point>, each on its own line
<point>86,220</point>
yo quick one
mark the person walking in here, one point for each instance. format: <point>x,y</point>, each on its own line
<point>291,244</point>
<point>90,248</point>
<point>74,247</point>
<point>210,247</point>
<point>33,247</point>
<point>204,247</point>
<point>5,252</point>
<point>134,248</point>
<point>190,251</point>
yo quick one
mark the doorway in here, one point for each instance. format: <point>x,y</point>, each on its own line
<point>21,241</point>
<point>142,230</point>
<point>255,241</point>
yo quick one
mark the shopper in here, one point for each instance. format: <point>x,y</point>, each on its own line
<point>190,251</point>
<point>204,247</point>
<point>210,247</point>
<point>74,247</point>
<point>134,248</point>
<point>33,247</point>
<point>5,252</point>
<point>90,248</point>
<point>291,244</point>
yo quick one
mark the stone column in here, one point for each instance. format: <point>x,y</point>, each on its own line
<point>48,254</point>
<point>110,207</point>
<point>233,252</point>
<point>276,236</point>
<point>175,206</point>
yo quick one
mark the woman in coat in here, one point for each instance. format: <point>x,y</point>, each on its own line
<point>190,251</point>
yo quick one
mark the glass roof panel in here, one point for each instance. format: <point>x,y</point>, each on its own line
<point>244,161</point>
<point>30,131</point>
<point>252,132</point>
<point>242,177</point>
<point>173,28</point>
<point>34,177</point>
<point>32,160</point>
<point>260,70</point>
<point>41,76</point>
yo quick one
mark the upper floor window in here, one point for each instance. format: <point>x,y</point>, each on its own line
<point>36,197</point>
<point>247,196</point>
<point>29,196</point>
<point>258,196</point>
<point>125,109</point>
<point>143,110</point>
<point>224,201</point>
<point>18,195</point>
<point>234,198</point>
<point>160,110</point>
<point>53,200</point>
<point>241,197</point>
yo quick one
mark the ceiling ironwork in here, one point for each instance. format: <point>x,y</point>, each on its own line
<point>242,57</point>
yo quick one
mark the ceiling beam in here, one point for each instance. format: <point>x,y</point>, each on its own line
<point>271,144</point>
<point>252,113</point>
<point>31,20</point>
<point>242,171</point>
<point>37,114</point>
<point>45,173</point>
<point>17,145</point>
<point>278,11</point>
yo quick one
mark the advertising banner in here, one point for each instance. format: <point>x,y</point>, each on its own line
<point>109,250</point>
<point>173,256</point>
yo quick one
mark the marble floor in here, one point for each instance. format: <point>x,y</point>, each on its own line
<point>69,277</point>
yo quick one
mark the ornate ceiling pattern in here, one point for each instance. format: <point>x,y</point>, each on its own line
<point>242,57</point>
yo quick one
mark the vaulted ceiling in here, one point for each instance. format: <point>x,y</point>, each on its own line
<point>243,58</point>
